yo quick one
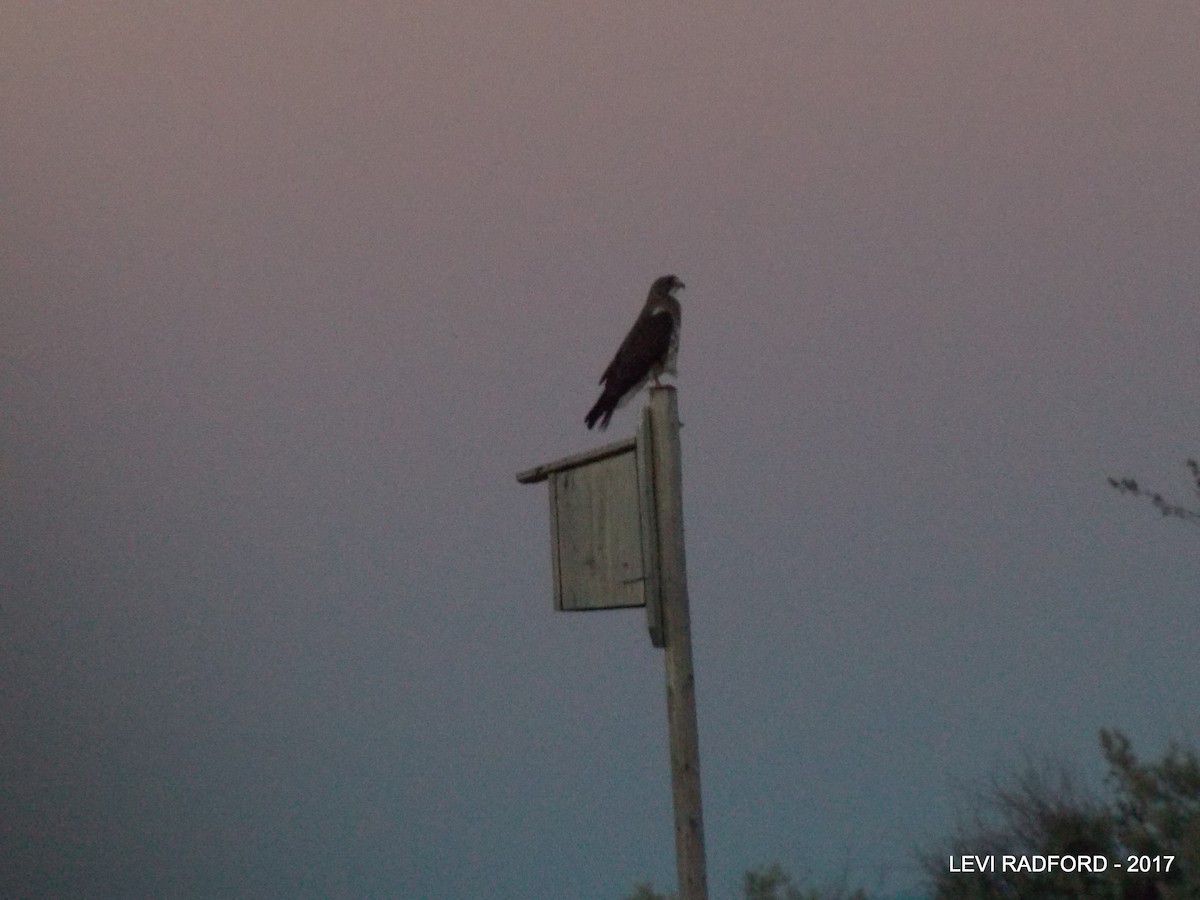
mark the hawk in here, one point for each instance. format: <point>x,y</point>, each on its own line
<point>647,352</point>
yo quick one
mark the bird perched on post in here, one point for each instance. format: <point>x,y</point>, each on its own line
<point>647,352</point>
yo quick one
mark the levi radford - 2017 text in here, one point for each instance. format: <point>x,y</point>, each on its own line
<point>1033,862</point>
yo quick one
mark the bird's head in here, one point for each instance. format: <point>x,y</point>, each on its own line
<point>667,284</point>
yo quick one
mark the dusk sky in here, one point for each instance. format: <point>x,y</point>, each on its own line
<point>290,292</point>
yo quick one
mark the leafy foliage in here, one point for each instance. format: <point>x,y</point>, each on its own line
<point>1164,506</point>
<point>1154,812</point>
<point>644,890</point>
<point>1150,810</point>
<point>772,883</point>
<point>1157,810</point>
<point>764,883</point>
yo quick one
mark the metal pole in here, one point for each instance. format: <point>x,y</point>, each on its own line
<point>677,653</point>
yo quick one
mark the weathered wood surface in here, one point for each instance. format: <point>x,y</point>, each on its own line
<point>597,535</point>
<point>539,473</point>
<point>684,735</point>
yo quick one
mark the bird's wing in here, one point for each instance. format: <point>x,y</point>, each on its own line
<point>647,344</point>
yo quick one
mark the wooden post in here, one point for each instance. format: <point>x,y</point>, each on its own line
<point>684,736</point>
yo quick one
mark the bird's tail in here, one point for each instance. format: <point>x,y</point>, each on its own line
<point>601,409</point>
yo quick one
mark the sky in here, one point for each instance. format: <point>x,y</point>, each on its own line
<point>290,294</point>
